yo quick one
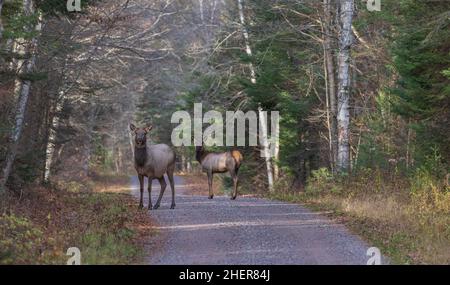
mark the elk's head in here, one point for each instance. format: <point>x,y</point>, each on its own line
<point>140,135</point>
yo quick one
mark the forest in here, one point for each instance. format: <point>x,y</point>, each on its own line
<point>363,96</point>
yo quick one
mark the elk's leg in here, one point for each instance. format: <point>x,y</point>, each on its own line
<point>149,188</point>
<point>141,188</point>
<point>235,182</point>
<point>172,185</point>
<point>210,181</point>
<point>162,181</point>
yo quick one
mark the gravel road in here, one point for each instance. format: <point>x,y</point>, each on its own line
<point>245,231</point>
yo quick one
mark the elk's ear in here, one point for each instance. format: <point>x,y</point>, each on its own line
<point>132,127</point>
<point>148,129</point>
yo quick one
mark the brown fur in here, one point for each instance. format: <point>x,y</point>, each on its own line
<point>220,162</point>
<point>153,161</point>
<point>237,155</point>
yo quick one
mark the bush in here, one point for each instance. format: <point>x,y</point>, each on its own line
<point>21,241</point>
<point>320,180</point>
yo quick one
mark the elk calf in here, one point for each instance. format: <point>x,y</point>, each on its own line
<point>153,161</point>
<point>220,162</point>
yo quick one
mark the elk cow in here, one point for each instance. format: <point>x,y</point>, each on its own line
<point>219,162</point>
<point>152,161</point>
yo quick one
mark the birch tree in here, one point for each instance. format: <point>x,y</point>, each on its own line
<point>330,81</point>
<point>346,10</point>
<point>22,103</point>
<point>248,49</point>
<point>263,128</point>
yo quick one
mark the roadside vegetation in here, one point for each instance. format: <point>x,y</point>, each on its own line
<point>98,216</point>
<point>407,218</point>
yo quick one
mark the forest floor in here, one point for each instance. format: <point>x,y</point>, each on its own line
<point>97,215</point>
<point>248,230</point>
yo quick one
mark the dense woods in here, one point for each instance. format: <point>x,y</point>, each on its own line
<point>363,97</point>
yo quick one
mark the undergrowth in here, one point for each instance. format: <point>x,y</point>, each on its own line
<point>40,226</point>
<point>407,217</point>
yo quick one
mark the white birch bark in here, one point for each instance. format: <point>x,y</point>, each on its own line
<point>50,148</point>
<point>19,48</point>
<point>202,15</point>
<point>264,143</point>
<point>22,100</point>
<point>248,50</point>
<point>51,140</point>
<point>343,115</point>
<point>276,156</point>
<point>331,82</point>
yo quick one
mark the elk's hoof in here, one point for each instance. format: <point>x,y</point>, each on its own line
<point>140,206</point>
<point>211,196</point>
<point>172,206</point>
<point>156,207</point>
<point>150,207</point>
<point>233,198</point>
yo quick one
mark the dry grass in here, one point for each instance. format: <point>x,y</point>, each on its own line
<point>410,223</point>
<point>39,226</point>
<point>197,184</point>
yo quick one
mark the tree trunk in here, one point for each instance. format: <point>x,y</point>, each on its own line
<point>130,140</point>
<point>248,49</point>
<point>276,156</point>
<point>88,139</point>
<point>183,163</point>
<point>189,166</point>
<point>343,116</point>
<point>331,82</point>
<point>22,100</point>
<point>1,23</point>
<point>264,143</point>
<point>50,148</point>
<point>19,47</point>
<point>119,159</point>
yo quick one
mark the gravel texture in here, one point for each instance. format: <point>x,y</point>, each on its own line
<point>245,231</point>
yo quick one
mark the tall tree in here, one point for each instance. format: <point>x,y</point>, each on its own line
<point>29,9</point>
<point>330,77</point>
<point>262,118</point>
<point>346,10</point>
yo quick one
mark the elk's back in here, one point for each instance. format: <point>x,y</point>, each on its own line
<point>218,162</point>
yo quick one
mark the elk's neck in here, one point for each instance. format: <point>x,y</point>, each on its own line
<point>140,155</point>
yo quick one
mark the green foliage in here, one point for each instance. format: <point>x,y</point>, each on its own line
<point>103,157</point>
<point>18,25</point>
<point>322,180</point>
<point>20,239</point>
<point>287,68</point>
<point>100,225</point>
<point>421,56</point>
<point>109,242</point>
<point>27,167</point>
